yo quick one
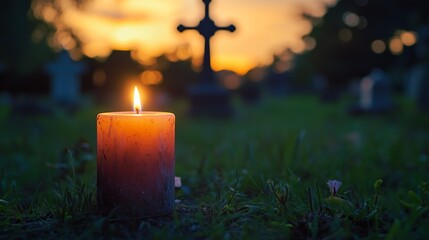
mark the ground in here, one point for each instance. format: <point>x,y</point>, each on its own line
<point>261,174</point>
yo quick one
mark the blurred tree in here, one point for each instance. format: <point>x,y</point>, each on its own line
<point>59,35</point>
<point>22,49</point>
<point>346,36</point>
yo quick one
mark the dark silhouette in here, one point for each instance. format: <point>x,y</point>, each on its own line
<point>344,53</point>
<point>119,68</point>
<point>208,98</point>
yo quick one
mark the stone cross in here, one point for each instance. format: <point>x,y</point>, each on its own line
<point>208,99</point>
<point>207,28</point>
<point>65,79</point>
<point>374,95</point>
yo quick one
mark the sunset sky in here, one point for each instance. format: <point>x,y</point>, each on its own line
<point>264,27</point>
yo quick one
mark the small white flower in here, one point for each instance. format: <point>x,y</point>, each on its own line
<point>177,182</point>
<point>334,186</point>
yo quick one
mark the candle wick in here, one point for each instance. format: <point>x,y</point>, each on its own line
<point>137,110</point>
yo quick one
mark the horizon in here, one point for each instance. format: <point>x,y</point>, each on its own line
<point>149,29</point>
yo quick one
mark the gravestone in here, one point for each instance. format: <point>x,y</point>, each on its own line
<point>374,94</point>
<point>65,79</point>
<point>423,90</point>
<point>208,98</point>
<point>417,85</point>
<point>418,81</point>
<point>413,81</point>
<point>118,68</point>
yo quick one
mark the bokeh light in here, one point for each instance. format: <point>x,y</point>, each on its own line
<point>151,77</point>
<point>345,35</point>
<point>183,52</point>
<point>378,46</point>
<point>396,46</point>
<point>351,19</point>
<point>310,43</point>
<point>257,74</point>
<point>408,38</point>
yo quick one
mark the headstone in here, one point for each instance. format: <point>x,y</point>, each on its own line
<point>417,86</point>
<point>374,94</point>
<point>65,79</point>
<point>119,68</point>
<point>418,82</point>
<point>208,98</point>
<point>423,90</point>
<point>413,81</point>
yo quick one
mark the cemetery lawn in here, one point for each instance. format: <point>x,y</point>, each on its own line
<point>260,175</point>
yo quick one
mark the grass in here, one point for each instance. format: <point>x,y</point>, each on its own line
<point>259,175</point>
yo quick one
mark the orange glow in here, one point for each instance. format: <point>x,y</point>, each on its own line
<point>49,14</point>
<point>137,102</point>
<point>151,77</point>
<point>140,56</point>
<point>65,40</point>
<point>408,38</point>
<point>183,52</point>
<point>396,46</point>
<point>149,28</point>
<point>239,64</point>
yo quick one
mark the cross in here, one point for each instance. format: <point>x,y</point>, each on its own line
<point>65,78</point>
<point>207,28</point>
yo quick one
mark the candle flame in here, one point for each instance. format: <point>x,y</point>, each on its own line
<point>137,103</point>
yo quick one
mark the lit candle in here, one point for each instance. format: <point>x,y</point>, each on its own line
<point>135,161</point>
